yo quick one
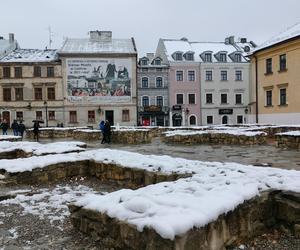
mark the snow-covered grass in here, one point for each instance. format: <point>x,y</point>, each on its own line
<point>39,149</point>
<point>46,203</point>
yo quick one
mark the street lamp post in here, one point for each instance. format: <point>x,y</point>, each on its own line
<point>46,107</point>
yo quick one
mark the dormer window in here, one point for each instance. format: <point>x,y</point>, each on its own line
<point>178,56</point>
<point>223,57</point>
<point>207,57</point>
<point>144,62</point>
<point>189,56</point>
<point>157,62</point>
<point>237,57</point>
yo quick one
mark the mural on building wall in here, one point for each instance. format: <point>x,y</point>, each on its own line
<point>99,80</point>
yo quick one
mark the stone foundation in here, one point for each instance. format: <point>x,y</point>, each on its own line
<point>14,154</point>
<point>52,133</point>
<point>249,219</point>
<point>218,138</point>
<point>288,141</point>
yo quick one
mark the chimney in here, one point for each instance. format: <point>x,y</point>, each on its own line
<point>231,40</point>
<point>100,36</point>
<point>11,37</point>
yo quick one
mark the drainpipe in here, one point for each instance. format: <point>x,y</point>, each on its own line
<point>256,89</point>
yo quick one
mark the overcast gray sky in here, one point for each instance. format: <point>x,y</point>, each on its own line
<point>145,20</point>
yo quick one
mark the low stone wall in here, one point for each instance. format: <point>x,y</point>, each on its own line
<point>88,135</point>
<point>11,138</point>
<point>249,219</point>
<point>14,154</point>
<point>288,141</point>
<point>215,138</point>
<point>52,133</point>
<point>272,131</point>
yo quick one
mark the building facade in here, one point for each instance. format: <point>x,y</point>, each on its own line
<point>153,95</point>
<point>99,79</point>
<point>275,79</point>
<point>31,87</point>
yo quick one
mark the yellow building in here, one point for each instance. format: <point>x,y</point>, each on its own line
<point>275,84</point>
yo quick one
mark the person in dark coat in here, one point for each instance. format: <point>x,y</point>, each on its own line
<point>36,130</point>
<point>4,126</point>
<point>102,128</point>
<point>21,129</point>
<point>15,127</point>
<point>107,131</point>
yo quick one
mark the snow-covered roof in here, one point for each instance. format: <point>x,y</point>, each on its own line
<point>87,46</point>
<point>30,55</point>
<point>289,33</point>
<point>6,46</point>
<point>184,46</point>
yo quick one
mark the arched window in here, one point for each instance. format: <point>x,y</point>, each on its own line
<point>192,120</point>
<point>159,101</point>
<point>145,101</point>
<point>225,119</point>
<point>145,82</point>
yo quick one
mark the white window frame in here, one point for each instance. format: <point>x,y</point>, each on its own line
<point>187,75</point>
<point>242,98</point>
<point>183,100</point>
<point>195,120</point>
<point>162,82</point>
<point>241,75</point>
<point>188,99</point>
<point>182,75</point>
<point>212,75</point>
<point>237,118</point>
<point>142,100</point>
<point>163,99</point>
<point>142,82</point>
<point>286,96</point>
<point>213,118</point>
<point>212,99</point>
<point>266,98</point>
<point>221,98</point>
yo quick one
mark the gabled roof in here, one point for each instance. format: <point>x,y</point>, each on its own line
<point>88,46</point>
<point>30,55</point>
<point>290,33</point>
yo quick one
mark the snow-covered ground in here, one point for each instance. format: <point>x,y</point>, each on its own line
<point>290,133</point>
<point>9,137</point>
<point>39,149</point>
<point>231,131</point>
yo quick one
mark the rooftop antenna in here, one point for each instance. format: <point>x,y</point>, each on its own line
<point>50,36</point>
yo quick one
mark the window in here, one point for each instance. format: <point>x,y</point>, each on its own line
<point>159,82</point>
<point>145,82</point>
<point>159,101</point>
<point>209,98</point>
<point>38,94</point>
<point>157,62</point>
<point>238,75</point>
<point>144,62</point>
<point>91,115</point>
<point>223,75</point>
<point>191,75</point>
<point>50,71</point>
<point>269,98</point>
<point>209,119</point>
<point>179,75</point>
<point>238,98</point>
<point>283,97</point>
<point>239,119</point>
<point>223,57</point>
<point>192,120</point>
<point>208,75</point>
<point>6,72</point>
<point>237,57</point>
<point>51,115</point>
<point>145,101</point>
<point>179,98</point>
<point>7,94</point>
<point>39,115</point>
<point>282,62</point>
<point>125,115</point>
<point>192,98</point>
<point>207,57</point>
<point>18,72</point>
<point>51,93</point>
<point>19,94</point>
<point>189,57</point>
<point>178,57</point>
<point>19,115</point>
<point>37,71</point>
<point>223,98</point>
<point>225,119</point>
<point>269,66</point>
<point>73,116</point>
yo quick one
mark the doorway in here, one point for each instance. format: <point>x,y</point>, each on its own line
<point>6,116</point>
<point>109,115</point>
<point>225,119</point>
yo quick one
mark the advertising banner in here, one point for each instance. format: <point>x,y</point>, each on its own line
<point>99,80</point>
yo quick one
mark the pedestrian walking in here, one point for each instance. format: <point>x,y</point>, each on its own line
<point>36,130</point>
<point>107,131</point>
<point>21,129</point>
<point>15,127</point>
<point>102,129</point>
<point>4,127</point>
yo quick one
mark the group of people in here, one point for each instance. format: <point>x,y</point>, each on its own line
<point>17,128</point>
<point>105,128</point>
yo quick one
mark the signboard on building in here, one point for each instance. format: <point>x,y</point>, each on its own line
<point>225,111</point>
<point>152,108</point>
<point>176,107</point>
<point>99,80</point>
